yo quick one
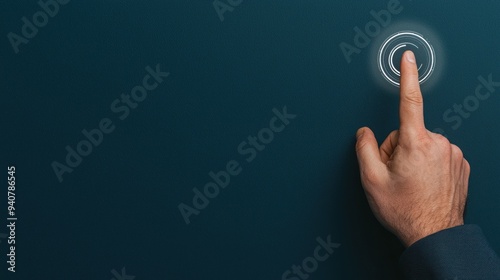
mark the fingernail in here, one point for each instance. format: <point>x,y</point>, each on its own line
<point>410,56</point>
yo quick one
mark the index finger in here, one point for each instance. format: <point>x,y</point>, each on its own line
<point>411,104</point>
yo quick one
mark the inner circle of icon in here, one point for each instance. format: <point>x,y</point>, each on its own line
<point>402,41</point>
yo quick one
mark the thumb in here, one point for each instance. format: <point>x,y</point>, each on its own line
<point>368,153</point>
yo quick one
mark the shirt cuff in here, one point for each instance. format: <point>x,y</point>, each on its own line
<point>460,252</point>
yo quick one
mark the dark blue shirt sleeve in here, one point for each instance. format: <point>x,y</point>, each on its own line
<point>460,252</point>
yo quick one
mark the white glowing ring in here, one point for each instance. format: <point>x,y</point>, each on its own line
<point>430,51</point>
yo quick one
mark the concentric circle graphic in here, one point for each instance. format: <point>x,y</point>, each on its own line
<point>390,52</point>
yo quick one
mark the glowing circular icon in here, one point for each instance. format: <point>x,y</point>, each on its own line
<point>390,52</point>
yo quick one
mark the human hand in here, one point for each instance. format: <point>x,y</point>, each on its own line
<point>416,183</point>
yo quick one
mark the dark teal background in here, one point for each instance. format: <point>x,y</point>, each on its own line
<point>119,207</point>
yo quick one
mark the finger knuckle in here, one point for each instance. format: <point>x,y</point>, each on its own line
<point>456,152</point>
<point>370,177</point>
<point>439,138</point>
<point>413,96</point>
<point>442,145</point>
<point>467,166</point>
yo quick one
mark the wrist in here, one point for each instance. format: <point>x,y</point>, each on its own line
<point>410,238</point>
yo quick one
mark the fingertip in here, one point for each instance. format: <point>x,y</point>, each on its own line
<point>360,132</point>
<point>410,57</point>
<point>366,145</point>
